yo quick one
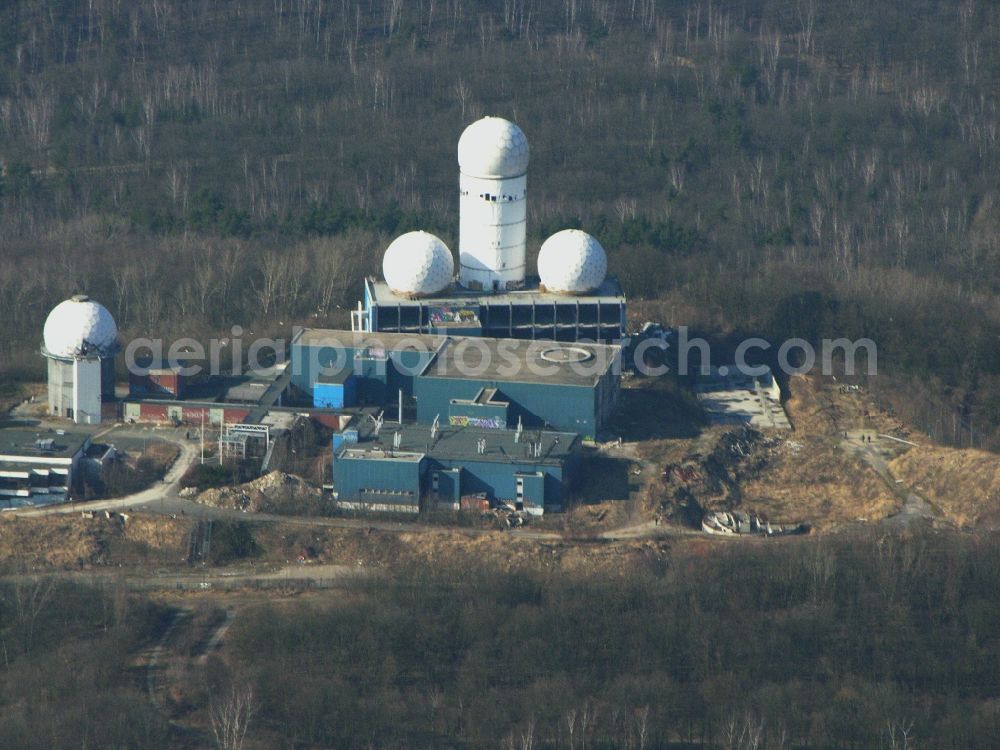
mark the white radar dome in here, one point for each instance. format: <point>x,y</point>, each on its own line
<point>572,262</point>
<point>493,148</point>
<point>418,264</point>
<point>78,327</point>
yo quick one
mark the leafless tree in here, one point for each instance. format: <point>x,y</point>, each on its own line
<point>642,726</point>
<point>30,600</point>
<point>806,10</point>
<point>463,92</point>
<point>570,719</point>
<point>744,732</point>
<point>231,716</point>
<point>36,115</point>
<point>274,273</point>
<point>900,734</point>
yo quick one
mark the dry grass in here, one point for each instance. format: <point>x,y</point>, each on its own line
<point>817,406</point>
<point>582,520</point>
<point>811,478</point>
<point>807,476</point>
<point>498,551</point>
<point>964,484</point>
<point>73,542</point>
<point>162,454</point>
<point>169,536</point>
<point>818,483</point>
<point>13,394</point>
<point>56,542</point>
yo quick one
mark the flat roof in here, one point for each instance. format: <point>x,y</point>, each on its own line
<point>252,391</point>
<point>21,443</point>
<point>610,292</point>
<point>337,378</point>
<point>741,406</point>
<point>485,397</point>
<point>500,360</point>
<point>383,453</point>
<point>523,361</point>
<point>364,339</point>
<point>461,443</point>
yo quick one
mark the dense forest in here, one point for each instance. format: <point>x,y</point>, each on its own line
<point>869,642</point>
<point>776,167</point>
<point>839,644</point>
<point>66,676</point>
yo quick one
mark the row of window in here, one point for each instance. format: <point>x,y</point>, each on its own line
<point>493,198</point>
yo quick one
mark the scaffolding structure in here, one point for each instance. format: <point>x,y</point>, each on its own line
<point>235,440</point>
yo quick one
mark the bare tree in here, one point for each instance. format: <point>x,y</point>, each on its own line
<point>36,115</point>
<point>570,719</point>
<point>231,716</point>
<point>743,732</point>
<point>807,20</point>
<point>274,272</point>
<point>463,92</point>
<point>900,734</point>
<point>642,726</point>
<point>30,600</point>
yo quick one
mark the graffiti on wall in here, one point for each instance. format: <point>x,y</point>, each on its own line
<point>444,315</point>
<point>489,423</point>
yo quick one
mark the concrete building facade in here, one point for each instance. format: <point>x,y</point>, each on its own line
<point>39,468</point>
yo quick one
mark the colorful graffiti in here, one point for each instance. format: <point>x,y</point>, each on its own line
<point>444,315</point>
<point>488,423</point>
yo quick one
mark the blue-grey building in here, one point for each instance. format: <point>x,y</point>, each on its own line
<point>410,467</point>
<point>568,387</point>
<point>336,391</point>
<point>382,364</point>
<point>493,383</point>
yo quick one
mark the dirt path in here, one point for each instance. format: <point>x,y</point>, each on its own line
<point>216,640</point>
<point>153,657</point>
<point>865,444</point>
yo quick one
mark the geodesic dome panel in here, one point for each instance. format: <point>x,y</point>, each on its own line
<point>572,262</point>
<point>80,327</point>
<point>493,147</point>
<point>418,263</point>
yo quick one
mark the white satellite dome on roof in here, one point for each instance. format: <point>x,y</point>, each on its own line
<point>78,327</point>
<point>493,147</point>
<point>572,262</point>
<point>418,264</point>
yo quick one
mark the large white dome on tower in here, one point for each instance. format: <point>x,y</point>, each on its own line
<point>572,262</point>
<point>80,326</point>
<point>493,147</point>
<point>417,264</point>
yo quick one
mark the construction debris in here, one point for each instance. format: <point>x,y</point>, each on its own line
<point>276,492</point>
<point>700,483</point>
<point>737,522</point>
<point>504,516</point>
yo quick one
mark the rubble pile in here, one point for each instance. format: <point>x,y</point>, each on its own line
<point>275,492</point>
<point>706,482</point>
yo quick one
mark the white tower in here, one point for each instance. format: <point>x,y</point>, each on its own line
<point>493,185</point>
<point>80,343</point>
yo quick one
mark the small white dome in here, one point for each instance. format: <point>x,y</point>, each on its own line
<point>493,147</point>
<point>80,326</point>
<point>572,262</point>
<point>418,264</point>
